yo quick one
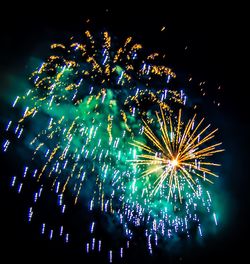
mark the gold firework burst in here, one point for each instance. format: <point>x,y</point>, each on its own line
<point>179,153</point>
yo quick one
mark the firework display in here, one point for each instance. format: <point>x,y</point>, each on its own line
<point>104,130</point>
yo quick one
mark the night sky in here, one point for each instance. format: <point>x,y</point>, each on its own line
<point>206,42</point>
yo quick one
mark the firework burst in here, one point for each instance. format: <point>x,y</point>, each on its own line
<point>179,153</point>
<point>87,102</point>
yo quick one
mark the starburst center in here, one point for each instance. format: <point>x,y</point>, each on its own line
<point>174,162</point>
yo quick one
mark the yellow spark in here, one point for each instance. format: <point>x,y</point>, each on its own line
<point>163,28</point>
<point>53,46</point>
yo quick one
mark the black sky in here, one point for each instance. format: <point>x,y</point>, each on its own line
<point>214,37</point>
